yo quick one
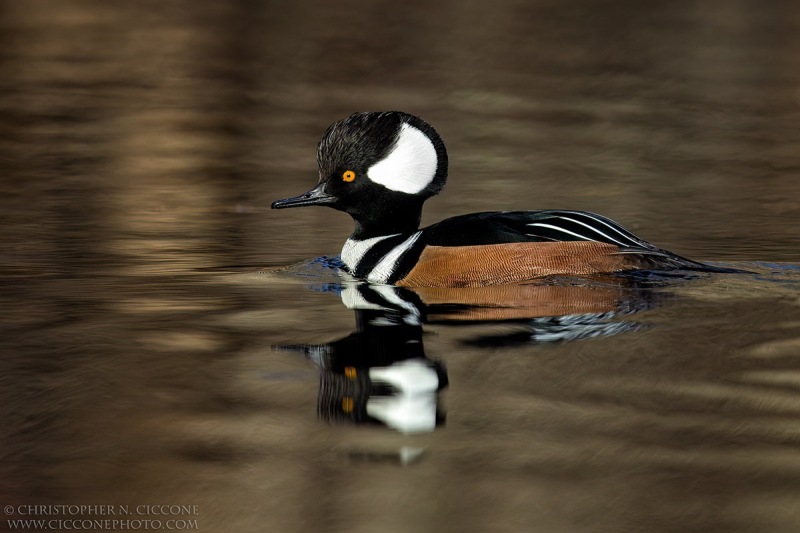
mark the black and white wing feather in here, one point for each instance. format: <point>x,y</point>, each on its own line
<point>551,226</point>
<point>582,226</point>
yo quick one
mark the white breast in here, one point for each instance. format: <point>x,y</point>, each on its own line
<point>354,250</point>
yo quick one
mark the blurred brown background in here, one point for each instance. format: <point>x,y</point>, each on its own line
<point>131,121</point>
<point>142,142</point>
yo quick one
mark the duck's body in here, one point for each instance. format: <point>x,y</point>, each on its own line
<point>381,167</point>
<point>504,247</point>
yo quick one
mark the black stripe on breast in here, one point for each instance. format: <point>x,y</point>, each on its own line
<point>375,254</point>
<point>408,259</point>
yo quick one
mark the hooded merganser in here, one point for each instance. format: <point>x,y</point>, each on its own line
<point>380,167</point>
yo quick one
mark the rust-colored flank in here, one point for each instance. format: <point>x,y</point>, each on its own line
<point>495,264</point>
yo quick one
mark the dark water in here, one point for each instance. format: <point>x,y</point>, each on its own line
<point>153,354</point>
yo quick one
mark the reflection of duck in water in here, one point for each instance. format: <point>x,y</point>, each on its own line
<point>547,311</point>
<point>380,372</point>
<point>381,167</point>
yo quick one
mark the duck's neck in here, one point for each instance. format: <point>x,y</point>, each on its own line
<point>386,220</point>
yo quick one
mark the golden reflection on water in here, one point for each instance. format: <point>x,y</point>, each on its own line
<point>142,144</point>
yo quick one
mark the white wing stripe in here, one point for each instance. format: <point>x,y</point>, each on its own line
<point>593,229</point>
<point>625,233</point>
<point>584,237</point>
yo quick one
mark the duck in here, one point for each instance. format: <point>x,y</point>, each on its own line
<point>380,167</point>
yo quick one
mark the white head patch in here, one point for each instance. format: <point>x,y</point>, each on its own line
<point>410,166</point>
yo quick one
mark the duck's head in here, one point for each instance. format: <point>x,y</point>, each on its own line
<point>379,167</point>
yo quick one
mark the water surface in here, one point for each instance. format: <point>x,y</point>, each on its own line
<point>166,341</point>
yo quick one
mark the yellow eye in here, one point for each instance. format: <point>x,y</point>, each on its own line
<point>348,175</point>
